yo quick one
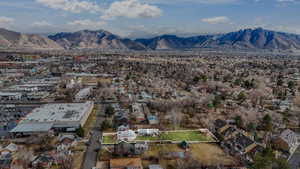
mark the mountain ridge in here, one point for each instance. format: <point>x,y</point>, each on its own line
<point>98,39</point>
<point>248,39</point>
<point>11,39</point>
<point>258,38</point>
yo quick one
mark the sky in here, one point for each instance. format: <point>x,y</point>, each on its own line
<point>146,18</point>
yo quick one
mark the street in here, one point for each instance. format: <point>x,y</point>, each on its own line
<point>90,158</point>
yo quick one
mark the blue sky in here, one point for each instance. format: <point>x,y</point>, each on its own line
<point>144,18</point>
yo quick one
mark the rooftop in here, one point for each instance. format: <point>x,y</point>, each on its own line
<point>32,127</point>
<point>58,112</point>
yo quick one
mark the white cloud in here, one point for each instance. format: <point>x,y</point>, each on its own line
<point>86,24</point>
<point>42,24</point>
<point>286,1</point>
<point>285,28</point>
<point>75,6</point>
<point>131,9</point>
<point>191,1</point>
<point>6,21</point>
<point>216,20</point>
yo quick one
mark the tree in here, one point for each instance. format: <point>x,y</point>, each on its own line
<point>238,82</point>
<point>242,96</point>
<point>281,163</point>
<point>105,125</point>
<point>239,121</point>
<point>251,127</point>
<point>267,122</point>
<point>267,160</point>
<point>217,101</point>
<point>279,82</point>
<point>109,110</point>
<point>196,79</point>
<point>291,85</point>
<point>80,132</point>
<point>203,78</point>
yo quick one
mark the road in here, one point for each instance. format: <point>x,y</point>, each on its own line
<point>90,158</point>
<point>294,161</point>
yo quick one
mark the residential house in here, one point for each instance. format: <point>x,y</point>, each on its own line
<point>239,144</point>
<point>11,148</point>
<point>128,135</point>
<point>137,111</point>
<point>221,125</point>
<point>66,139</point>
<point>229,133</point>
<point>5,161</point>
<point>121,118</point>
<point>287,141</point>
<point>140,147</point>
<point>148,132</point>
<point>155,166</point>
<point>43,160</point>
<point>130,149</point>
<point>123,127</point>
<point>152,119</point>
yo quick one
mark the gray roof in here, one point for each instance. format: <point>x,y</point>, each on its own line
<point>32,127</point>
<point>289,137</point>
<point>155,166</point>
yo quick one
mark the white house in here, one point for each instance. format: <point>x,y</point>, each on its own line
<point>148,132</point>
<point>128,135</point>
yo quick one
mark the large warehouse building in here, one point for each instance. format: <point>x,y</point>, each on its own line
<point>60,117</point>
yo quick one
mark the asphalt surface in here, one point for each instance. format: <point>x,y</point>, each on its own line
<point>90,158</point>
<point>294,161</point>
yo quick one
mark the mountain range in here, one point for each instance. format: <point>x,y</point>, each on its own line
<point>246,39</point>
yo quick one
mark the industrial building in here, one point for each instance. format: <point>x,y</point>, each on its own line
<point>59,117</point>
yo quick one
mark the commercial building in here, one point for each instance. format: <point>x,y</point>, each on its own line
<point>10,96</point>
<point>59,117</point>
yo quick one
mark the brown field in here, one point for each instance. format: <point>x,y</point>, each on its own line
<point>206,154</point>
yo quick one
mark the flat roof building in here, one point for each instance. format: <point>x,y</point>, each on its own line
<point>56,116</point>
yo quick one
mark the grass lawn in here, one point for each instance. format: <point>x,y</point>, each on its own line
<point>110,139</point>
<point>185,136</point>
<point>178,136</point>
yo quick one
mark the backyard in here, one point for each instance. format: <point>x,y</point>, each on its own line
<point>205,153</point>
<point>109,139</point>
<point>177,136</point>
<point>166,136</point>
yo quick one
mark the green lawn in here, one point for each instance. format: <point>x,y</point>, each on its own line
<point>147,138</point>
<point>165,136</point>
<point>110,139</point>
<point>185,136</point>
<point>178,136</point>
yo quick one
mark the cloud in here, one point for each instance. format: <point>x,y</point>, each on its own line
<point>75,6</point>
<point>131,9</point>
<point>86,24</point>
<point>216,20</point>
<point>286,0</point>
<point>191,1</point>
<point>42,24</point>
<point>6,21</point>
<point>287,28</point>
